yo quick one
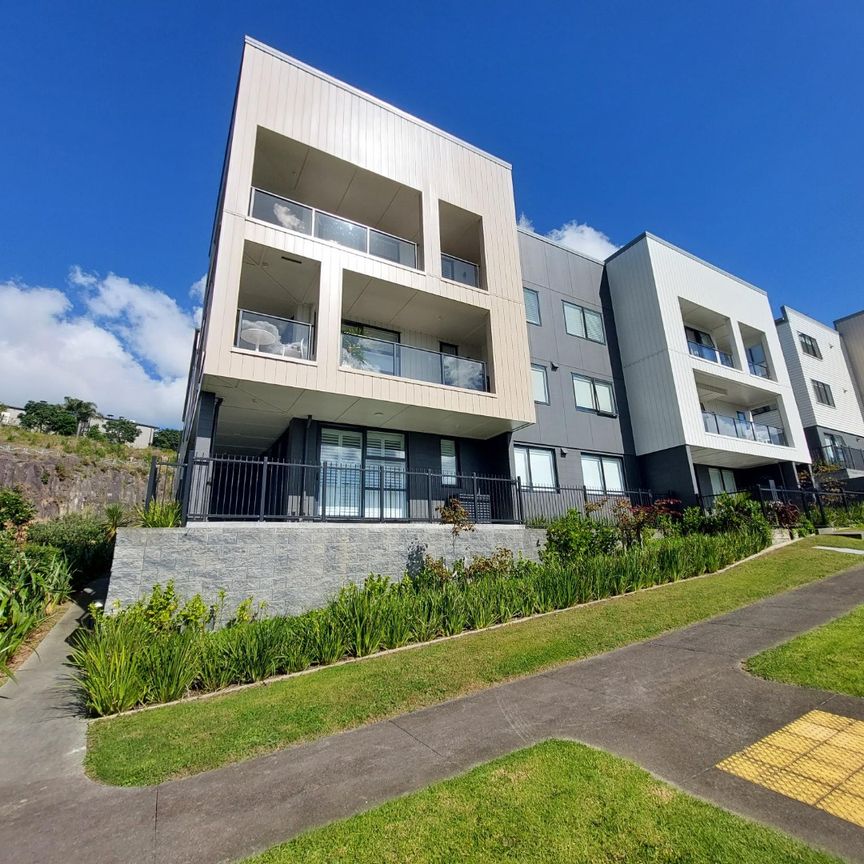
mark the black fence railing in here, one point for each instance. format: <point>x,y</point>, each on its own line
<point>236,488</point>
<point>848,458</point>
<point>823,507</point>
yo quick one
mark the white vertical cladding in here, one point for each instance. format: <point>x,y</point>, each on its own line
<point>851,328</point>
<point>645,359</point>
<point>282,95</point>
<point>647,281</point>
<point>832,369</point>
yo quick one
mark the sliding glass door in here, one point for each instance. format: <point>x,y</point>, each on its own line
<point>365,472</point>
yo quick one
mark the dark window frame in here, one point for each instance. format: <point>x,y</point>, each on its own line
<point>594,382</point>
<point>809,345</point>
<point>531,487</point>
<point>540,367</point>
<point>536,293</point>
<point>601,457</point>
<point>823,393</point>
<point>582,310</point>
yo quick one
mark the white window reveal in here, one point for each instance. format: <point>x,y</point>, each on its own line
<point>539,385</point>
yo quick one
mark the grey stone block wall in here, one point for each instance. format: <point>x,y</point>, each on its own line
<point>292,566</point>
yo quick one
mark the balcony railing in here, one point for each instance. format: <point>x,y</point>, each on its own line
<point>268,334</point>
<point>706,352</point>
<point>760,369</point>
<point>405,361</point>
<point>460,271</point>
<point>733,427</point>
<point>325,226</point>
<point>850,458</point>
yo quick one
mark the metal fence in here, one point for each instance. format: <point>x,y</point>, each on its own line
<point>818,505</point>
<point>236,488</point>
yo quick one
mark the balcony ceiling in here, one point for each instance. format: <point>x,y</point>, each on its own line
<point>374,301</point>
<point>273,285</point>
<point>743,394</point>
<point>718,458</point>
<point>294,170</point>
<point>699,317</point>
<point>253,415</point>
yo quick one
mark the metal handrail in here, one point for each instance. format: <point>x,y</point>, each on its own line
<point>744,429</point>
<point>316,210</point>
<point>302,325</point>
<point>711,354</point>
<point>396,349</point>
<point>841,456</point>
<point>472,264</point>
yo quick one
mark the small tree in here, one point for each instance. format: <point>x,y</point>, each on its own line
<point>82,411</point>
<point>167,439</point>
<point>121,431</point>
<point>46,417</point>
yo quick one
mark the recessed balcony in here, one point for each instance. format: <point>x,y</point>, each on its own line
<point>405,361</point>
<point>708,352</point>
<point>277,337</point>
<point>303,219</point>
<point>744,428</point>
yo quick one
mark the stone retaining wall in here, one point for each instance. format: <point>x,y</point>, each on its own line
<point>292,566</point>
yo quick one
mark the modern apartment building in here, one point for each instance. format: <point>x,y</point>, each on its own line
<point>582,437</point>
<point>378,337</point>
<point>711,403</point>
<point>364,308</point>
<point>821,363</point>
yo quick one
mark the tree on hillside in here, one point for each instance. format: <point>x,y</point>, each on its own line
<point>46,417</point>
<point>121,431</point>
<point>82,411</point>
<point>167,439</point>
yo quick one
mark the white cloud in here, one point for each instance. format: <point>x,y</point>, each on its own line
<point>196,291</point>
<point>128,350</point>
<point>579,236</point>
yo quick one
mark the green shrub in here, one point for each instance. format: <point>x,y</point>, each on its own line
<point>574,535</point>
<point>83,540</point>
<point>15,510</point>
<point>160,514</point>
<point>160,648</point>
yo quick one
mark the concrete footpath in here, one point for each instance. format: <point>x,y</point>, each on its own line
<point>676,705</point>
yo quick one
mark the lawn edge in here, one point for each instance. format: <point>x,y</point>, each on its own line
<point>236,688</point>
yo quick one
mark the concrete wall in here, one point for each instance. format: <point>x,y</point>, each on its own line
<point>293,566</point>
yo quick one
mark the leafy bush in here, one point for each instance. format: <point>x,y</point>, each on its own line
<point>160,648</point>
<point>574,535</point>
<point>15,510</point>
<point>84,540</point>
<point>33,579</point>
<point>167,439</point>
<point>160,514</point>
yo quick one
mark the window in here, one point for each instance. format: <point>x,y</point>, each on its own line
<point>722,480</point>
<point>535,467</point>
<point>823,393</point>
<point>757,361</point>
<point>448,462</point>
<point>593,395</point>
<point>602,473</point>
<point>538,384</point>
<point>810,346</point>
<point>584,323</point>
<point>700,337</point>
<point>448,348</point>
<point>532,305</point>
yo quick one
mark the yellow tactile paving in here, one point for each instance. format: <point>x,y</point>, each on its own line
<point>817,759</point>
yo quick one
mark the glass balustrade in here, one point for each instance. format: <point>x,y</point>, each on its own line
<point>734,427</point>
<point>325,226</point>
<point>707,352</point>
<point>268,334</point>
<point>460,271</point>
<point>405,361</point>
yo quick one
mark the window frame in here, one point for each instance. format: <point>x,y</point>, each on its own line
<point>539,367</point>
<point>536,293</point>
<point>448,479</point>
<point>528,448</point>
<point>821,388</point>
<point>594,382</point>
<point>582,310</point>
<point>600,457</point>
<point>806,341</point>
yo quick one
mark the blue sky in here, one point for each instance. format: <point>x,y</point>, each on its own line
<point>734,131</point>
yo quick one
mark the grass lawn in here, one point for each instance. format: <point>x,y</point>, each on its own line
<point>828,657</point>
<point>186,738</point>
<point>558,801</point>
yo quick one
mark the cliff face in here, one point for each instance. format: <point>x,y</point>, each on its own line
<point>58,482</point>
